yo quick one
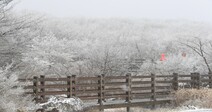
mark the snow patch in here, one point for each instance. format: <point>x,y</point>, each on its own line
<point>63,104</point>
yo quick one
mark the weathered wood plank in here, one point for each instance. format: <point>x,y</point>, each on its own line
<point>144,76</point>
<point>141,82</point>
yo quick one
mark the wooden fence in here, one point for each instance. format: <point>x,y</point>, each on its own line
<point>116,91</point>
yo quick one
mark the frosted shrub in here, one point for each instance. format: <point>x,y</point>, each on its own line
<point>174,64</point>
<point>11,94</point>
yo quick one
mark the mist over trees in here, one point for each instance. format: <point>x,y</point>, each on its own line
<point>85,46</point>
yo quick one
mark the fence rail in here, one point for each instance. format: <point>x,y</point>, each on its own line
<point>148,89</point>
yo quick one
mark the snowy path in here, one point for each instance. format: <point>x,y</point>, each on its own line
<point>198,110</point>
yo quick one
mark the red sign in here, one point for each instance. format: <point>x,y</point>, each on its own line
<point>162,58</point>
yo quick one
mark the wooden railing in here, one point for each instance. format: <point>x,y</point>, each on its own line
<point>105,90</point>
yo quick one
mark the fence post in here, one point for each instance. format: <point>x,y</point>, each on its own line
<point>153,90</point>
<point>210,78</point>
<point>103,87</point>
<point>128,93</point>
<point>175,83</point>
<point>74,83</point>
<point>42,83</point>
<point>192,80</point>
<point>198,80</point>
<point>69,88</point>
<point>35,88</point>
<point>100,93</point>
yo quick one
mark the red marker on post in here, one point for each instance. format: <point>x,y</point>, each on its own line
<point>162,58</point>
<point>184,54</point>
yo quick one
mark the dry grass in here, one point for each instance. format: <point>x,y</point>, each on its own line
<point>200,98</point>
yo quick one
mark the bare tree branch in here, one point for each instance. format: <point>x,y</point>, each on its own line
<point>193,48</point>
<point>197,47</point>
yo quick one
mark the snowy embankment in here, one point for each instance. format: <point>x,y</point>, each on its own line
<point>190,108</point>
<point>62,104</point>
<point>198,110</point>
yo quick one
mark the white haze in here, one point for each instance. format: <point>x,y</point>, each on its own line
<point>194,10</point>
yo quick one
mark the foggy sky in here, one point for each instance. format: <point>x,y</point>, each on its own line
<point>195,10</point>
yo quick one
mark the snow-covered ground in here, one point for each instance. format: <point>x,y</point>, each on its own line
<point>198,110</point>
<point>191,108</point>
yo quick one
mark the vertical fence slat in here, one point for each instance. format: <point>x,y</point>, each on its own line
<point>35,88</point>
<point>128,92</point>
<point>69,89</point>
<point>153,90</point>
<point>100,93</point>
<point>210,78</point>
<point>74,84</point>
<point>42,83</point>
<point>103,87</point>
<point>192,80</point>
<point>198,81</point>
<point>175,83</point>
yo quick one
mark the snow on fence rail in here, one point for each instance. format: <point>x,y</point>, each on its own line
<point>133,90</point>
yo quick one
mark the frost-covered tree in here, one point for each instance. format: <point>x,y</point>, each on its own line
<point>11,92</point>
<point>201,48</point>
<point>103,46</point>
<point>49,55</point>
<point>105,58</point>
<point>173,64</point>
<point>16,31</point>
